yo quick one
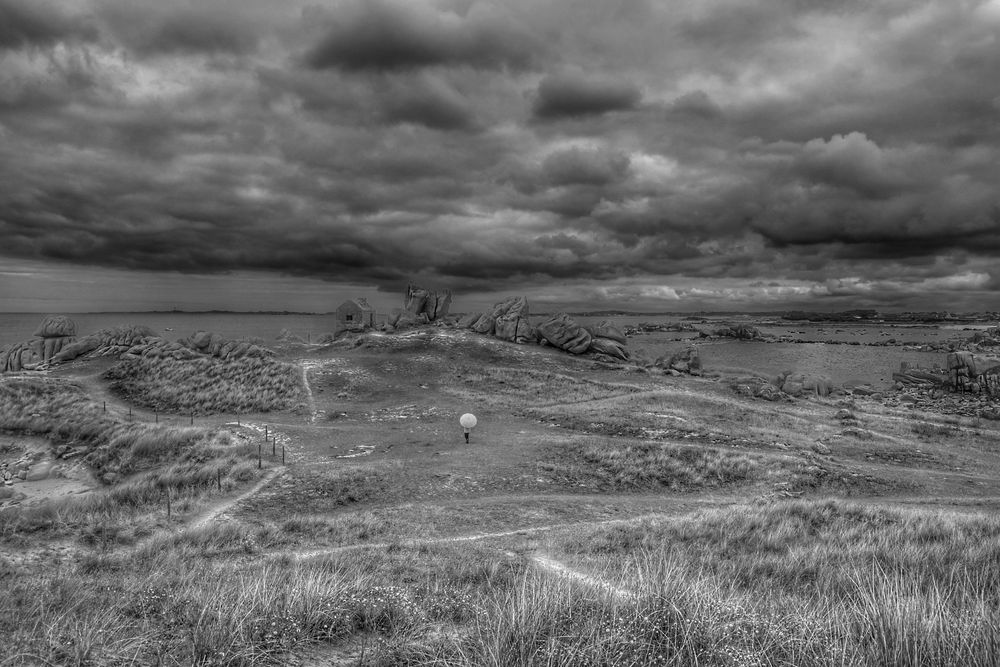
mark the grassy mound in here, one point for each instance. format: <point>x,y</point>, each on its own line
<point>79,427</point>
<point>610,465</point>
<point>207,384</point>
<point>140,461</point>
<point>525,387</point>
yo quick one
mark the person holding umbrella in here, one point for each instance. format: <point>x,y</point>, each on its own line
<point>468,422</point>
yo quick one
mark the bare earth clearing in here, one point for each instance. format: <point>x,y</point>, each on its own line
<point>376,468</point>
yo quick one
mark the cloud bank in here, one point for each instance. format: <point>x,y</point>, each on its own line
<point>624,152</point>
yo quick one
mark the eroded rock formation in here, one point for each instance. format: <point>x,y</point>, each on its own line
<point>421,306</point>
<point>799,384</point>
<point>739,331</point>
<point>563,332</point>
<point>686,361</point>
<point>55,333</point>
<point>973,373</point>
<point>106,342</point>
<point>508,320</point>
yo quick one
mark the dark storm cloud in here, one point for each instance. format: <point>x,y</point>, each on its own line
<point>428,101</point>
<point>390,34</point>
<point>696,104</point>
<point>578,166</point>
<point>563,95</point>
<point>25,23</point>
<point>731,152</point>
<point>163,29</point>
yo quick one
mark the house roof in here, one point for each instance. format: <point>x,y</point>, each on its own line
<point>362,304</point>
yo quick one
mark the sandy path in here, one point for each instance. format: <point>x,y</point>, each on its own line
<point>305,365</point>
<point>218,510</point>
<point>473,537</point>
<point>565,571</point>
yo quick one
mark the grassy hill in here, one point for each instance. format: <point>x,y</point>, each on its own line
<point>600,515</point>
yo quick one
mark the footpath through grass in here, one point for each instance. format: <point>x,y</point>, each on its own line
<point>139,464</point>
<point>799,583</point>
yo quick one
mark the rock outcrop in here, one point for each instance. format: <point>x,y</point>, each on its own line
<point>686,361</point>
<point>803,384</point>
<point>421,306</point>
<point>757,387</point>
<point>563,332</point>
<point>740,332</point>
<point>106,342</point>
<point>607,329</point>
<point>608,347</point>
<point>211,344</point>
<point>56,326</point>
<point>514,313</point>
<point>55,333</point>
<point>973,373</point>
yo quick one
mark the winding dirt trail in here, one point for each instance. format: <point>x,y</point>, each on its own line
<point>473,537</point>
<point>565,571</point>
<point>305,365</point>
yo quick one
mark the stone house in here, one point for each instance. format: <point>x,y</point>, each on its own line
<point>355,314</point>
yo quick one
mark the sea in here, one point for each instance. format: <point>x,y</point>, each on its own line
<point>825,349</point>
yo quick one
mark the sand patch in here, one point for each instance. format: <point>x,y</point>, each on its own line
<point>31,473</point>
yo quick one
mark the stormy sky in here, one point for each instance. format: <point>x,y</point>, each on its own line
<point>635,154</point>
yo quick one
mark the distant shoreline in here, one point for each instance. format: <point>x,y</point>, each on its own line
<point>869,317</point>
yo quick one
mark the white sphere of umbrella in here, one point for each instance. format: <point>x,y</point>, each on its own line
<point>468,420</point>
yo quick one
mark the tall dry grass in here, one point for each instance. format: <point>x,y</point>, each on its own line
<point>207,385</point>
<point>905,588</point>
<point>140,462</point>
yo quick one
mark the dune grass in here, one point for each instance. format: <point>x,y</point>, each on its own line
<point>613,465</point>
<point>207,385</point>
<point>140,462</point>
<point>66,416</point>
<point>804,584</point>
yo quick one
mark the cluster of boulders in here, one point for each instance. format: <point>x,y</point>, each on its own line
<point>603,339</point>
<point>687,361</point>
<point>29,467</point>
<point>56,343</point>
<point>106,342</point>
<point>988,338</point>
<point>908,376</point>
<point>420,306</point>
<point>211,344</point>
<point>758,387</point>
<point>200,343</point>
<point>55,333</point>
<point>966,372</point>
<point>974,374</point>
<point>740,332</point>
<point>804,384</point>
<point>509,320</point>
<point>656,327</point>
